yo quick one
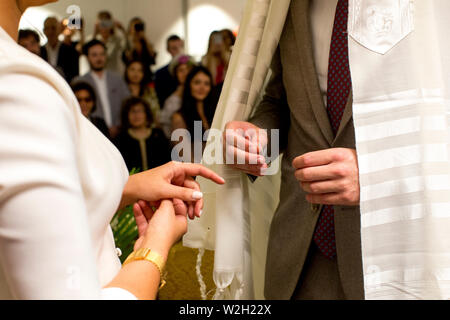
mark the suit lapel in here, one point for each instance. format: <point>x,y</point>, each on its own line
<point>348,114</point>
<point>303,35</point>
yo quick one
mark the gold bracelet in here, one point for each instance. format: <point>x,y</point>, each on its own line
<point>151,256</point>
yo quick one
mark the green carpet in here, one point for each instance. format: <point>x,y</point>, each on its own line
<point>181,277</point>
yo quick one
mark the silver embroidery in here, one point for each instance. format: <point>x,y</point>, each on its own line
<point>379,25</point>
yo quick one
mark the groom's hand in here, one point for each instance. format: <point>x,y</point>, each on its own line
<point>243,144</point>
<point>329,177</point>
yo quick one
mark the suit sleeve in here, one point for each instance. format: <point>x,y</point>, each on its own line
<point>73,63</point>
<point>273,111</point>
<point>45,244</point>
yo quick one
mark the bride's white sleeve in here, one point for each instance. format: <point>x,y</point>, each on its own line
<point>45,243</point>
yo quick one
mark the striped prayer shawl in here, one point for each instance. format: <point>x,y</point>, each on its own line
<point>400,110</point>
<point>228,210</point>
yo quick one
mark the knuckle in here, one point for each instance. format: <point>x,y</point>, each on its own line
<point>174,163</point>
<point>347,197</point>
<point>305,160</point>
<point>340,171</point>
<point>305,186</point>
<point>303,175</point>
<point>339,155</point>
<point>314,188</point>
<point>341,185</point>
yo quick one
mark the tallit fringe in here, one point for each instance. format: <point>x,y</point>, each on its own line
<point>201,282</point>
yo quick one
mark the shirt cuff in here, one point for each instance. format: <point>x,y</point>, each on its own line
<point>117,294</point>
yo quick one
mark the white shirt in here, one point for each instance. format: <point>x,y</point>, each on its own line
<point>61,182</point>
<point>52,54</point>
<point>102,90</point>
<point>322,14</point>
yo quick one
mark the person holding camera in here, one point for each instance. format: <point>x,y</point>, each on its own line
<point>217,58</point>
<point>61,56</point>
<point>106,31</point>
<point>139,47</point>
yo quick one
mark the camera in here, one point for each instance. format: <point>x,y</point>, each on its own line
<point>138,27</point>
<point>106,24</point>
<point>217,39</point>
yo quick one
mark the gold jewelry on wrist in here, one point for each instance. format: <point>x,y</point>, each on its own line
<point>151,256</point>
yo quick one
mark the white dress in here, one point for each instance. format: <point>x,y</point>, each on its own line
<point>61,182</point>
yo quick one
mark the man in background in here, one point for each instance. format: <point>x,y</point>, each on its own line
<point>113,35</point>
<point>110,87</point>
<point>165,83</point>
<point>63,57</point>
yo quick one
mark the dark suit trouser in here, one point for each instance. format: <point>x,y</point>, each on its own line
<point>319,279</point>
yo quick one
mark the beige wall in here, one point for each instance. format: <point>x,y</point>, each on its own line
<point>163,18</point>
<point>206,16</point>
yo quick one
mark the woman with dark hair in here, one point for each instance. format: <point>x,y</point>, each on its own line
<point>198,101</point>
<point>87,99</point>
<point>142,146</point>
<point>199,106</point>
<point>179,68</point>
<point>141,88</point>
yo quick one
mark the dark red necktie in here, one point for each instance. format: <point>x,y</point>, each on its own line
<point>339,87</point>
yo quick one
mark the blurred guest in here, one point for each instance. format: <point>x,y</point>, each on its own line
<point>113,35</point>
<point>61,56</point>
<point>110,87</point>
<point>139,87</point>
<point>142,145</point>
<point>139,47</point>
<point>217,57</point>
<point>228,38</point>
<point>30,40</point>
<point>165,83</point>
<point>198,102</point>
<point>87,99</point>
<point>74,34</point>
<point>179,68</point>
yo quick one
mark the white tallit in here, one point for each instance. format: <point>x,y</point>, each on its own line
<point>400,73</point>
<point>400,64</point>
<point>227,225</point>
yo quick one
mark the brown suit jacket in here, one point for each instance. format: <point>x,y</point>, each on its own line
<point>293,104</point>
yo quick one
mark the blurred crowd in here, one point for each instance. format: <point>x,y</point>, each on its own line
<point>135,106</point>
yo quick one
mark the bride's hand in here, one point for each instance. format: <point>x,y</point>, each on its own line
<point>160,229</point>
<point>173,180</point>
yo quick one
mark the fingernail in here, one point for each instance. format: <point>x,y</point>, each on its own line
<point>197,195</point>
<point>200,214</point>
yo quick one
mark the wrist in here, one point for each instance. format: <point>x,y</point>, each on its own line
<point>128,194</point>
<point>162,246</point>
<point>146,255</point>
